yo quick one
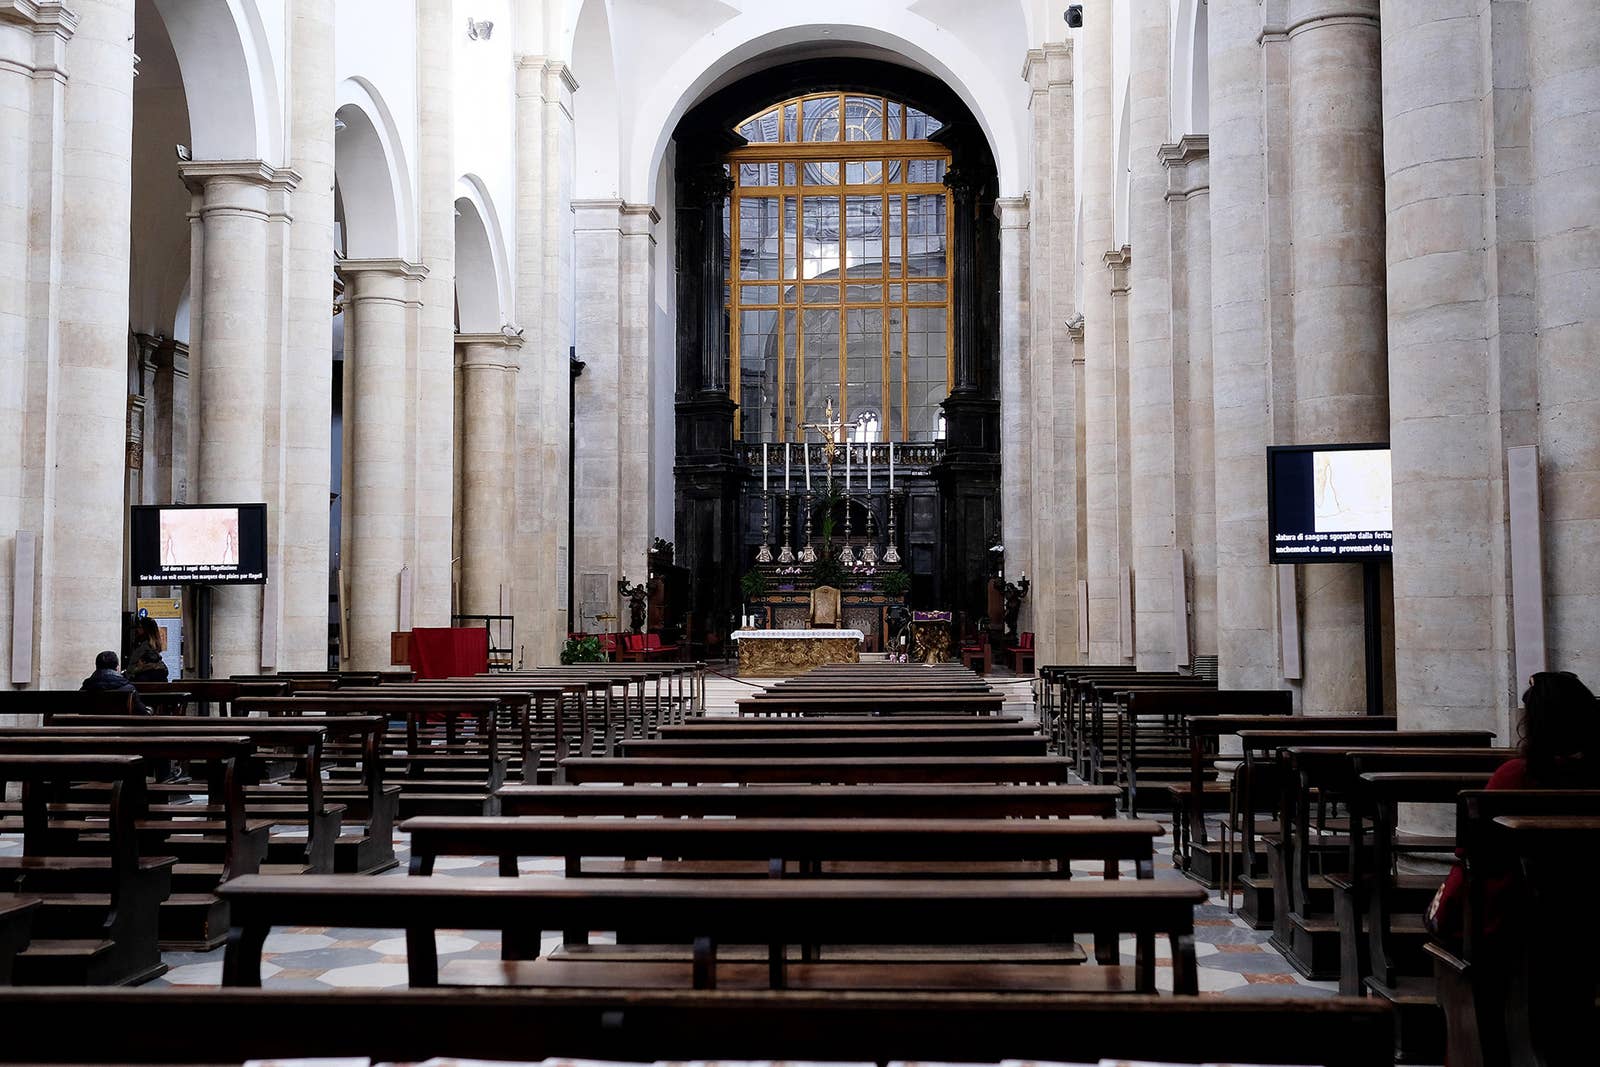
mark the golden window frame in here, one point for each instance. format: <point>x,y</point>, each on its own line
<point>786,159</point>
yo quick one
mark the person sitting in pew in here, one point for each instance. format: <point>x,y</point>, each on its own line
<point>1560,750</point>
<point>108,679</point>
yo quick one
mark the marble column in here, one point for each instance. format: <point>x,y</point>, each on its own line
<point>598,411</point>
<point>1341,392</point>
<point>1104,558</point>
<point>1150,368</point>
<point>1118,261</point>
<point>1564,43</point>
<point>636,332</point>
<point>1038,392</point>
<point>1188,201</point>
<point>544,249</point>
<point>307,413</point>
<point>435,371</point>
<point>1016,443</point>
<point>234,198</point>
<point>378,514</point>
<point>1247,642</point>
<point>488,377</point>
<point>1450,375</point>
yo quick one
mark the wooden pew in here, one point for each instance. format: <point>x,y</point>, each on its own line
<point>1199,857</point>
<point>364,839</point>
<point>1039,770</point>
<point>841,726</point>
<point>1475,982</point>
<point>870,703</point>
<point>706,914</point>
<point>91,919</point>
<point>205,692</point>
<point>1159,751</point>
<point>785,747</point>
<point>1307,932</point>
<point>651,1026</point>
<point>446,769</point>
<point>211,844</point>
<point>1099,701</point>
<point>40,702</point>
<point>815,801</point>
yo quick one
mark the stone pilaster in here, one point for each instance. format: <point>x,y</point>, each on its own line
<point>378,528</point>
<point>1189,207</point>
<point>1564,43</point>
<point>1247,643</point>
<point>1341,390</point>
<point>308,373</point>
<point>433,399</point>
<point>1016,445</point>
<point>1150,371</point>
<point>544,147</point>
<point>82,414</point>
<point>1104,558</point>
<point>488,370</point>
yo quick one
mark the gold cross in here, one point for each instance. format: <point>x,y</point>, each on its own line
<point>829,428</point>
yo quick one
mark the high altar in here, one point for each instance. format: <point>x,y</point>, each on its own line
<point>779,653</point>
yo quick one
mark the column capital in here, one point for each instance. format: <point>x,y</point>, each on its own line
<point>41,16</point>
<point>1303,15</point>
<point>1190,147</point>
<point>488,351</point>
<point>1012,211</point>
<point>201,174</point>
<point>379,279</point>
<point>1075,328</point>
<point>508,337</point>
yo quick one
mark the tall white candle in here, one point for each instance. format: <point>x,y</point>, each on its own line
<point>763,468</point>
<point>891,466</point>
<point>786,466</point>
<point>805,457</point>
<point>847,451</point>
<point>867,452</point>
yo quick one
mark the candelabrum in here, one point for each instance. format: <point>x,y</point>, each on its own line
<point>764,555</point>
<point>808,554</point>
<point>891,553</point>
<point>869,555</point>
<point>785,554</point>
<point>848,556</point>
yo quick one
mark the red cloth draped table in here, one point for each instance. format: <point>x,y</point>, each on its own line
<point>449,651</point>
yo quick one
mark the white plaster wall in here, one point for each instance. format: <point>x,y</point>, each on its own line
<point>385,59</point>
<point>485,119</point>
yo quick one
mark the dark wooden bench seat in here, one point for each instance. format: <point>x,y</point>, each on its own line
<point>841,726</point>
<point>1047,770</point>
<point>870,703</point>
<point>814,801</point>
<point>706,914</point>
<point>836,747</point>
<point>225,1026</point>
<point>92,919</point>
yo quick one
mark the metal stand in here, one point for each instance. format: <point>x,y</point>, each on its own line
<point>785,554</point>
<point>764,554</point>
<point>891,554</point>
<point>808,554</point>
<point>1372,624</point>
<point>848,556</point>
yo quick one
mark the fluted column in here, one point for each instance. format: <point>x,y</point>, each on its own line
<point>1247,644</point>
<point>82,424</point>
<point>308,379</point>
<point>1341,392</point>
<point>434,400</point>
<point>488,384</point>
<point>234,200</point>
<point>1564,42</point>
<point>1016,445</point>
<point>378,515</point>
<point>1104,554</point>
<point>1150,370</point>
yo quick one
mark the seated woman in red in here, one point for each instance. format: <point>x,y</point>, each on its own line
<point>1560,750</point>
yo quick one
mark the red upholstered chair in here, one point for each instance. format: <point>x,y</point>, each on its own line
<point>654,649</point>
<point>1022,654</point>
<point>978,654</point>
<point>632,648</point>
<point>608,644</point>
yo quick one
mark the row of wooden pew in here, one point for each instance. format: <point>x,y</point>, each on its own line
<point>1339,832</point>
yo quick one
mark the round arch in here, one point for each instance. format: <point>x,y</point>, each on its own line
<point>1191,112</point>
<point>228,76</point>
<point>760,38</point>
<point>374,179</point>
<point>597,151</point>
<point>483,280</point>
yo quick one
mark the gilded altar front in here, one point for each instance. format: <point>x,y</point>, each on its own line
<point>780,653</point>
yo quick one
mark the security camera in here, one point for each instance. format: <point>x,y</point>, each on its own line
<point>1074,16</point>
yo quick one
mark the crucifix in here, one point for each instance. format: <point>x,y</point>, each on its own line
<point>829,428</point>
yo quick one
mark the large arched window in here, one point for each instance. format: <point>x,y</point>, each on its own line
<point>839,268</point>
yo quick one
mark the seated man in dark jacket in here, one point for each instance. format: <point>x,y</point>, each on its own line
<point>106,678</point>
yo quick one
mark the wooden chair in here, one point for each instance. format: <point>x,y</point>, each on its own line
<point>1022,653</point>
<point>827,608</point>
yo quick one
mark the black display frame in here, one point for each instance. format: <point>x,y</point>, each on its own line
<point>136,578</point>
<point>1272,504</point>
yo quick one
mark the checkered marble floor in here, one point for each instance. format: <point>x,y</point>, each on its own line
<point>1233,959</point>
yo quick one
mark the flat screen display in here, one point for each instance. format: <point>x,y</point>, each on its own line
<point>1329,503</point>
<point>199,544</point>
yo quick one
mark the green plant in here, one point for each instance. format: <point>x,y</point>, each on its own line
<point>827,570</point>
<point>894,583</point>
<point>583,650</point>
<point>753,584</point>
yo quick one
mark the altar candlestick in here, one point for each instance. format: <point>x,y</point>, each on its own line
<point>786,466</point>
<point>805,457</point>
<point>763,468</point>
